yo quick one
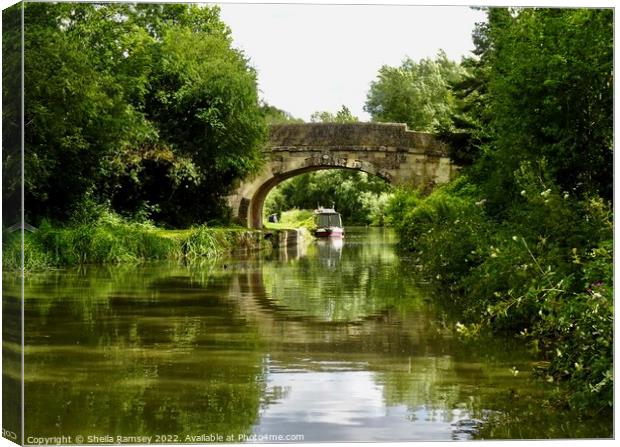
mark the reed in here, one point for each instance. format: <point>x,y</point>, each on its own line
<point>113,240</point>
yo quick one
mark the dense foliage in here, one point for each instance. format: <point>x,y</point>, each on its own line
<point>359,197</point>
<point>523,239</point>
<point>145,107</point>
<point>551,84</point>
<point>11,116</point>
<point>416,93</point>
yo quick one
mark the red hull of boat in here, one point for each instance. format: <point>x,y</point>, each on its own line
<point>329,232</point>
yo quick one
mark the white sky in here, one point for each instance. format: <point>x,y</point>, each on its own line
<point>320,57</point>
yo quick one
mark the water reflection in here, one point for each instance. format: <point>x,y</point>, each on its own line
<point>329,251</point>
<point>334,343</point>
<point>124,352</point>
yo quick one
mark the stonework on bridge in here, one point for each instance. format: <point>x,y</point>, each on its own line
<point>390,151</point>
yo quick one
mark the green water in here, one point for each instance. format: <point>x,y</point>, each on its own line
<point>329,342</point>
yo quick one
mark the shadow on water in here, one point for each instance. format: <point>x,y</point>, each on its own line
<point>333,341</point>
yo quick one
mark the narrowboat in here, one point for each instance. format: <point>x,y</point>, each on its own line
<point>328,223</point>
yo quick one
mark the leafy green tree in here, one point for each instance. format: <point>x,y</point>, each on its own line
<point>273,115</point>
<point>416,93</point>
<point>466,131</point>
<point>76,110</point>
<point>551,90</point>
<point>145,107</point>
<point>343,116</point>
<point>207,110</point>
<point>11,115</point>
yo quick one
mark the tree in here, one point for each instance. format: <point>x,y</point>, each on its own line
<point>466,131</point>
<point>416,93</point>
<point>147,107</point>
<point>273,115</point>
<point>77,113</point>
<point>207,111</point>
<point>11,115</point>
<point>551,94</point>
<point>344,115</point>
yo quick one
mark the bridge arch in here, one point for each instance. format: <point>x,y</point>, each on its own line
<point>389,151</point>
<point>256,202</point>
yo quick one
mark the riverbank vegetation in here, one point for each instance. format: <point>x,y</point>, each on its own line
<point>522,241</point>
<point>112,239</point>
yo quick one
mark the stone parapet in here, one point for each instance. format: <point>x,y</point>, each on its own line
<point>374,136</point>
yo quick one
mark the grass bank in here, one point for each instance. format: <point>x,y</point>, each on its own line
<point>113,240</point>
<point>293,219</point>
<point>542,269</point>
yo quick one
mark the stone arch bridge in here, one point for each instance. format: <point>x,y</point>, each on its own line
<point>390,151</point>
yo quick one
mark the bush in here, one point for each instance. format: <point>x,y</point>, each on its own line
<point>445,231</point>
<point>579,330</point>
<point>542,271</point>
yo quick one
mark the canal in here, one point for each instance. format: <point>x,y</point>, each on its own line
<point>329,341</point>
